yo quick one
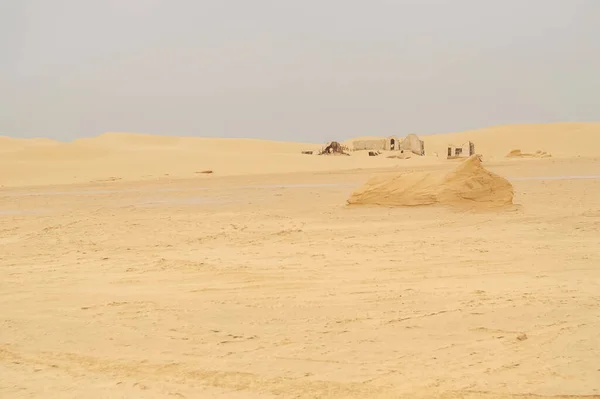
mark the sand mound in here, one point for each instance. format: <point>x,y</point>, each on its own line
<point>520,154</point>
<point>469,185</point>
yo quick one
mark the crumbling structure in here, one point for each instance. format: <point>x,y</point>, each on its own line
<point>334,148</point>
<point>464,151</point>
<point>413,144</point>
<point>410,143</point>
<point>371,145</point>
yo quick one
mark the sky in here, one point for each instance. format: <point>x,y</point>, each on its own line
<point>294,70</point>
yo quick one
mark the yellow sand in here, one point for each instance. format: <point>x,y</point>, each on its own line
<point>558,139</point>
<point>468,185</point>
<point>133,157</point>
<point>257,281</point>
<point>520,154</point>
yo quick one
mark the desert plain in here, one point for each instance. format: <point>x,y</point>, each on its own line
<point>126,271</point>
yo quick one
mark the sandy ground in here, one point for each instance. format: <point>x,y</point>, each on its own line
<point>134,157</point>
<point>126,273</point>
<point>267,286</point>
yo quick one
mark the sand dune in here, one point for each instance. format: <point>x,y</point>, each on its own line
<point>469,185</point>
<point>9,144</point>
<point>142,157</point>
<point>559,139</point>
<point>199,144</point>
<point>131,156</point>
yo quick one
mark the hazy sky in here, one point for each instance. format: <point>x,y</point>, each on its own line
<point>305,70</point>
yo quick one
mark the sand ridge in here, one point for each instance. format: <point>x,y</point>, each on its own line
<point>468,185</point>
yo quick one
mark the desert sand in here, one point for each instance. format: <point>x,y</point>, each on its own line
<point>469,186</point>
<point>126,272</point>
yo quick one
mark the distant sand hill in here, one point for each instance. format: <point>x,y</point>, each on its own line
<point>558,139</point>
<point>127,156</point>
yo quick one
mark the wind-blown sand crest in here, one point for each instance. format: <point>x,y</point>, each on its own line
<point>470,185</point>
